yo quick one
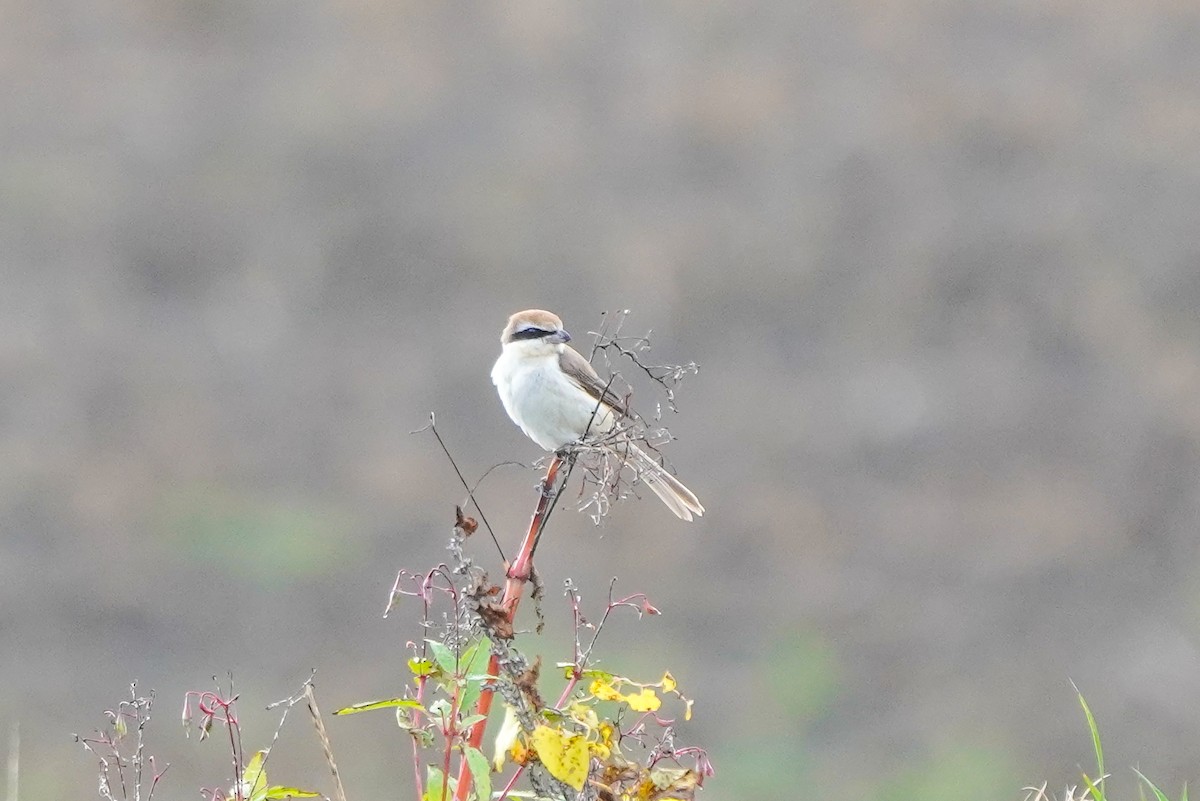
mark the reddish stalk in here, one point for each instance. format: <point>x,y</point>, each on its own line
<point>519,572</point>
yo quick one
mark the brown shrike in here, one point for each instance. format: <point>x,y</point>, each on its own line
<point>555,396</point>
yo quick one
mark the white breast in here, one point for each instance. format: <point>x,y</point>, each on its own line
<point>548,406</point>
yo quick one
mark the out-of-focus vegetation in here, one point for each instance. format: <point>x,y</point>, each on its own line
<point>1092,786</point>
<point>938,263</point>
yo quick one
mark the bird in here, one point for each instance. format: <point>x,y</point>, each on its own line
<point>556,397</point>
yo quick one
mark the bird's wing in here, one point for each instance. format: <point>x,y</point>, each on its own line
<point>585,377</point>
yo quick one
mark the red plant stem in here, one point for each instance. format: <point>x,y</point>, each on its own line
<point>447,727</point>
<point>519,572</point>
<point>522,567</point>
<point>511,783</point>
<point>566,693</point>
<point>416,748</point>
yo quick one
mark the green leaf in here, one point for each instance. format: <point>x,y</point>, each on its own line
<point>420,667</point>
<point>389,703</point>
<point>444,657</point>
<point>254,777</point>
<point>439,710</point>
<point>1159,795</point>
<point>470,720</point>
<point>434,781</point>
<point>424,737</point>
<point>481,772</point>
<point>480,654</point>
<point>470,694</point>
<point>279,791</point>
<point>466,658</point>
<point>568,669</point>
<point>475,663</point>
<point>406,719</point>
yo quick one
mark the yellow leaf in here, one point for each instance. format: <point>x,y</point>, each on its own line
<point>674,782</point>
<point>564,755</point>
<point>606,737</point>
<point>604,691</point>
<point>668,683</point>
<point>598,750</point>
<point>583,714</point>
<point>645,701</point>
<point>687,712</point>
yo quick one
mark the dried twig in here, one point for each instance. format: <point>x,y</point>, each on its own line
<point>324,737</point>
<point>122,772</point>
<point>608,473</point>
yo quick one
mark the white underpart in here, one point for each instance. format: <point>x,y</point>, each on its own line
<point>554,411</point>
<point>539,397</point>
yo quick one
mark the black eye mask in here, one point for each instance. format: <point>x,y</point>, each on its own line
<point>531,333</point>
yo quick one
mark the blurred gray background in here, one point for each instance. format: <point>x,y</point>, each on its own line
<point>939,262</point>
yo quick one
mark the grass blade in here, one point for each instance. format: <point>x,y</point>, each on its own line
<point>1159,795</point>
<point>1091,721</point>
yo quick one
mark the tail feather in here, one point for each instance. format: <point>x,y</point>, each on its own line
<point>670,490</point>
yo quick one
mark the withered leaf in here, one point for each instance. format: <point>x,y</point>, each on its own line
<point>496,620</point>
<point>464,523</point>
<point>527,683</point>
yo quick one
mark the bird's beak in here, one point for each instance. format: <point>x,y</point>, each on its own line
<point>558,337</point>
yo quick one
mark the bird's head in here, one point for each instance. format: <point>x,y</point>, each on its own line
<point>534,332</point>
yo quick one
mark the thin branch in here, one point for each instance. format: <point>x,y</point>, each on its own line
<point>557,493</point>
<point>106,746</point>
<point>667,376</point>
<point>470,493</point>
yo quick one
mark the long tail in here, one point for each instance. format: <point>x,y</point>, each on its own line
<point>670,490</point>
